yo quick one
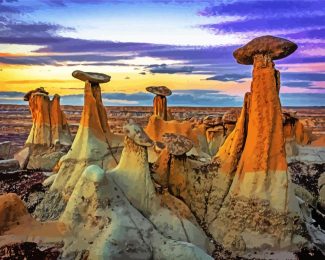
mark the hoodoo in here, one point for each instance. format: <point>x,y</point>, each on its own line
<point>133,172</point>
<point>94,144</point>
<point>259,208</point>
<point>160,100</point>
<point>49,138</point>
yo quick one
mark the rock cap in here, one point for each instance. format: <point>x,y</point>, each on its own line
<point>137,134</point>
<point>177,144</point>
<point>159,90</point>
<point>93,77</point>
<point>277,48</point>
<point>37,90</point>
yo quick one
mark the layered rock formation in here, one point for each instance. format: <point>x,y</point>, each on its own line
<point>49,138</point>
<point>93,144</point>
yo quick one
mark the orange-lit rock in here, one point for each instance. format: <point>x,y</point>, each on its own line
<point>160,101</point>
<point>12,208</point>
<point>259,208</point>
<point>157,127</point>
<point>294,129</point>
<point>94,144</point>
<point>50,137</point>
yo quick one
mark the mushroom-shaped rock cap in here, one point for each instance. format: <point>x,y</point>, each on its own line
<point>91,76</point>
<point>159,90</point>
<point>136,133</point>
<point>177,144</point>
<point>277,48</point>
<point>37,90</point>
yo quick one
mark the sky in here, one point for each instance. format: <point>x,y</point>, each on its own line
<point>186,45</point>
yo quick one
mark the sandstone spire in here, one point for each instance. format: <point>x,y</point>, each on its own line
<point>50,137</point>
<point>261,183</point>
<point>94,143</point>
<point>160,100</point>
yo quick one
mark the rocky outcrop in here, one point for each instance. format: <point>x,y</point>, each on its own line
<point>5,150</point>
<point>119,230</point>
<point>158,208</point>
<point>49,138</point>
<point>12,208</point>
<point>157,127</point>
<point>94,143</point>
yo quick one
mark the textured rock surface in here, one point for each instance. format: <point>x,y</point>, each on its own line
<point>260,183</point>
<point>274,47</point>
<point>160,101</point>
<point>94,144</point>
<point>157,127</point>
<point>9,165</point>
<point>134,168</point>
<point>49,137</point>
<point>5,150</point>
<point>11,210</point>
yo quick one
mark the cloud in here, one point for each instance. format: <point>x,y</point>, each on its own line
<point>304,76</point>
<point>171,69</point>
<point>266,24</point>
<point>229,77</point>
<point>260,8</point>
<point>297,84</point>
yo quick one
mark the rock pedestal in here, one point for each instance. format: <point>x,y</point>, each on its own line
<point>160,106</point>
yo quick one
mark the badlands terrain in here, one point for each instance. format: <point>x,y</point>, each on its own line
<point>161,182</point>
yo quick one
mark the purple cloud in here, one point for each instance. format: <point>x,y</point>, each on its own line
<point>261,8</point>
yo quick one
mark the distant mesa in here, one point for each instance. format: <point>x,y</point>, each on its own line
<point>274,47</point>
<point>92,77</point>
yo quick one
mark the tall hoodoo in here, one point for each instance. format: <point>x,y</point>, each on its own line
<point>49,137</point>
<point>261,181</point>
<point>160,100</point>
<point>94,144</point>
